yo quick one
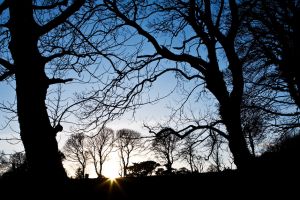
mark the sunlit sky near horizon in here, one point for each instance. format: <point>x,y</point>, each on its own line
<point>150,114</point>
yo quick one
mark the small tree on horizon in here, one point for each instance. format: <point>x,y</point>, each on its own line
<point>99,148</point>
<point>76,152</point>
<point>127,141</point>
<point>166,148</point>
<point>141,169</point>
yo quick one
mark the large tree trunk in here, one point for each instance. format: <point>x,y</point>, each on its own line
<point>230,104</point>
<point>37,134</point>
<point>237,141</point>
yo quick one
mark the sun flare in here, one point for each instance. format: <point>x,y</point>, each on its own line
<point>112,177</point>
<point>111,173</point>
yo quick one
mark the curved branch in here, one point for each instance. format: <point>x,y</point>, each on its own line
<point>3,6</point>
<point>10,69</point>
<point>273,112</point>
<point>59,3</point>
<point>6,74</point>
<point>58,80</point>
<point>187,130</point>
<point>62,17</point>
<point>195,62</point>
<point>6,64</point>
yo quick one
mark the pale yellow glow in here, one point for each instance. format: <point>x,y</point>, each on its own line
<point>111,167</point>
<point>111,173</point>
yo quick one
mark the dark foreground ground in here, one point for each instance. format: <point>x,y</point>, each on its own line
<point>224,185</point>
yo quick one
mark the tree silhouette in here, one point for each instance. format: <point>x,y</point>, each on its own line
<point>190,154</point>
<point>214,45</point>
<point>198,34</point>
<point>166,147</point>
<point>141,169</point>
<point>4,163</point>
<point>43,43</point>
<point>76,151</point>
<point>17,160</point>
<point>215,143</point>
<point>253,124</point>
<point>274,27</point>
<point>127,141</point>
<point>99,147</point>
<point>16,165</point>
<point>79,174</point>
<point>26,32</point>
<point>268,41</point>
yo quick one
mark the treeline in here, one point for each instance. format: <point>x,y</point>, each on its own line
<point>83,150</point>
<point>166,149</point>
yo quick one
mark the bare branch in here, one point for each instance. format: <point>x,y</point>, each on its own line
<point>9,67</point>
<point>62,17</point>
<point>47,7</point>
<point>195,62</point>
<point>234,20</point>
<point>6,64</point>
<point>273,112</point>
<point>5,75</point>
<point>182,133</point>
<point>3,6</point>
<point>220,14</point>
<point>10,139</point>
<point>58,80</point>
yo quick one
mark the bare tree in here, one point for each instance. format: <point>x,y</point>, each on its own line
<point>99,147</point>
<point>166,148</point>
<point>190,152</point>
<point>197,35</point>
<point>268,42</point>
<point>205,40</point>
<point>216,154</point>
<point>274,28</point>
<point>21,30</point>
<point>40,43</point>
<point>76,151</point>
<point>254,124</point>
<point>127,142</point>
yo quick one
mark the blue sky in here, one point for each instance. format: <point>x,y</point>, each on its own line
<point>150,114</point>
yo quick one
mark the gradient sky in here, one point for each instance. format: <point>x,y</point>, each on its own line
<point>150,114</point>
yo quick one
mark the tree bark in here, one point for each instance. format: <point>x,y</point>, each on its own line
<point>37,134</point>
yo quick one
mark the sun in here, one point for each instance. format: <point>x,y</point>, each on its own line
<point>111,173</point>
<point>112,176</point>
<point>111,168</point>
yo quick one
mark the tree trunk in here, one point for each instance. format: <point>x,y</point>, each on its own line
<point>251,142</point>
<point>237,141</point>
<point>169,166</point>
<point>230,104</point>
<point>37,134</point>
<point>100,167</point>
